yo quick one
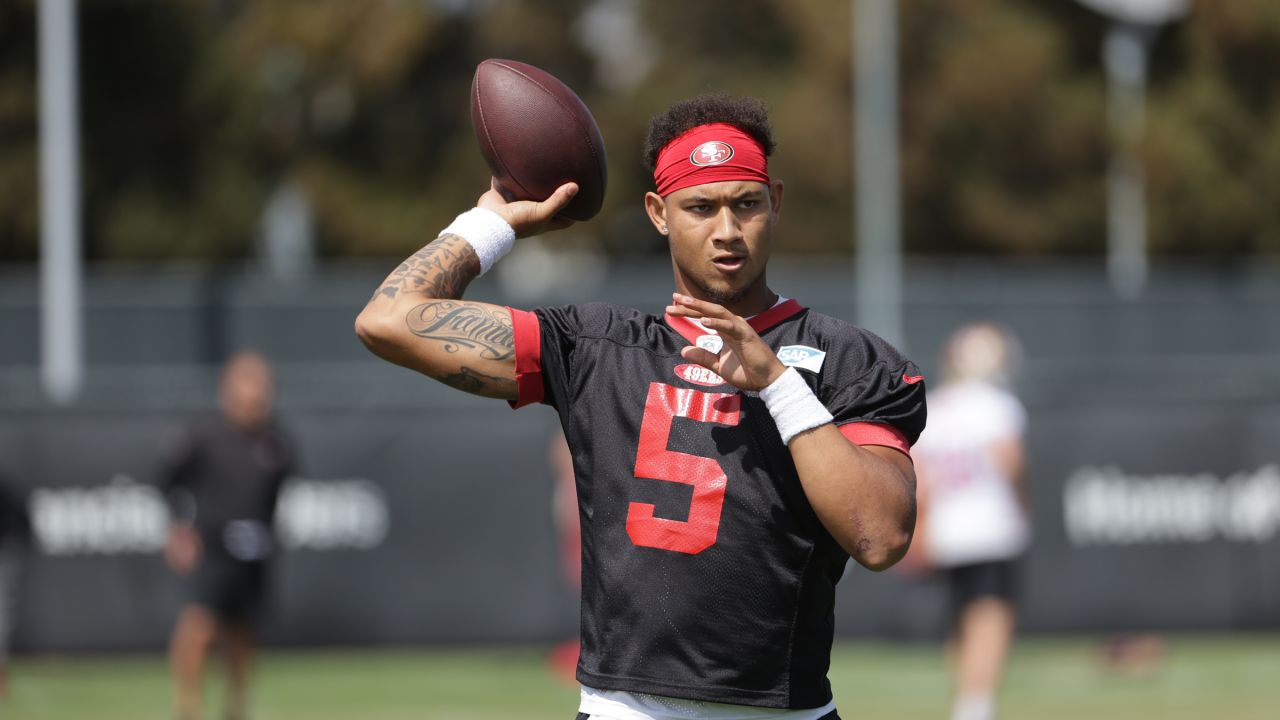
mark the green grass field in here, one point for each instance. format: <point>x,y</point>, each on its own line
<point>1202,677</point>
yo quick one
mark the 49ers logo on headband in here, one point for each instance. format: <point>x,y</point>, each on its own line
<point>713,152</point>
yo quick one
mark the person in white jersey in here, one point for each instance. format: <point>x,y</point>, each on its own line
<point>973,522</point>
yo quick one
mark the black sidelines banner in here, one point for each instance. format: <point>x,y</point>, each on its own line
<point>1143,519</point>
<point>402,527</point>
<point>415,526</point>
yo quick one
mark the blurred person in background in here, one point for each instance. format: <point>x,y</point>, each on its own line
<point>730,455</point>
<point>973,521</point>
<point>223,478</point>
<point>14,528</point>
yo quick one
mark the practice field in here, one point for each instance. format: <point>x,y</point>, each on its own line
<point>1233,678</point>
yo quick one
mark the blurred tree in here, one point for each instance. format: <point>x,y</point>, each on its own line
<point>358,103</point>
<point>1213,147</point>
<point>1004,130</point>
<point>195,111</point>
<point>795,56</point>
<point>19,201</point>
<point>158,179</point>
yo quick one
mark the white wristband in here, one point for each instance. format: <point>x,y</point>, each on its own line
<point>487,233</point>
<point>793,405</point>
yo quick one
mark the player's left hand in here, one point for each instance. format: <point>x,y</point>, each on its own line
<point>745,362</point>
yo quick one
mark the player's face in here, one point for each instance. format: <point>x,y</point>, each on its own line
<point>720,236</point>
<point>247,392</point>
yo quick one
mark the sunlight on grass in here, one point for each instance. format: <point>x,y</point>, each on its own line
<point>1235,677</point>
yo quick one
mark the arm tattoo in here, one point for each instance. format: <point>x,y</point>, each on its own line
<point>469,380</point>
<point>443,268</point>
<point>463,326</point>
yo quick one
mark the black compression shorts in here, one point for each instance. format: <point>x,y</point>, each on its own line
<point>967,583</point>
<point>231,589</point>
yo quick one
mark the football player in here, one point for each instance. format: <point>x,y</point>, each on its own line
<point>223,476</point>
<point>730,454</point>
<point>974,525</point>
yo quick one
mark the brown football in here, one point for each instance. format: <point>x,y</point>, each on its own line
<point>536,135</point>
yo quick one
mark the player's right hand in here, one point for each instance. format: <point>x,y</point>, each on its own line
<point>527,217</point>
<point>182,550</point>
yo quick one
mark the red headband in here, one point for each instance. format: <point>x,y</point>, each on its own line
<point>707,154</point>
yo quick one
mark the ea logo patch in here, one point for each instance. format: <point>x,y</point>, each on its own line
<point>698,375</point>
<point>712,152</point>
<point>802,356</point>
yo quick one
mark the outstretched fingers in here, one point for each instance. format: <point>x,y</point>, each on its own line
<point>529,217</point>
<point>693,307</point>
<point>709,313</point>
<point>699,356</point>
<point>747,361</point>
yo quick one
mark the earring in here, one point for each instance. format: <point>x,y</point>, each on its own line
<point>663,230</point>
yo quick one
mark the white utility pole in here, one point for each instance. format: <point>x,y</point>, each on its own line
<point>1125,53</point>
<point>878,265</point>
<point>61,351</point>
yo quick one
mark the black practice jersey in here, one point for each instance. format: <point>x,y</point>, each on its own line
<point>706,573</point>
<point>225,480</point>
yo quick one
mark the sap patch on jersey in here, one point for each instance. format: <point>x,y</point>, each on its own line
<point>803,357</point>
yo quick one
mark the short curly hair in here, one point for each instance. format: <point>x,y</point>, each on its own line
<point>747,114</point>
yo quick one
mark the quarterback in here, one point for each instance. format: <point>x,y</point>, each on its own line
<point>731,453</point>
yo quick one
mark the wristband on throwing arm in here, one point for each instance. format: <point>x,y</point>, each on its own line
<point>793,405</point>
<point>486,232</point>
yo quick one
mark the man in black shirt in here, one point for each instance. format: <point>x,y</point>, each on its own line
<point>15,527</point>
<point>730,455</point>
<point>222,478</point>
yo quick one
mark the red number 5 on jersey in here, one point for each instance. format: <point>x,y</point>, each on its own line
<point>654,461</point>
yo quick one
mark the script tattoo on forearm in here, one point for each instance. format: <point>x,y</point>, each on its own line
<point>443,268</point>
<point>469,380</point>
<point>461,326</point>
